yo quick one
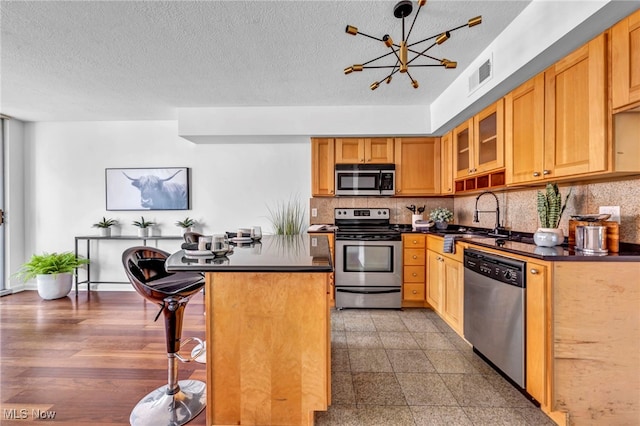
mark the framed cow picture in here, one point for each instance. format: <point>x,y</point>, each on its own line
<point>164,188</point>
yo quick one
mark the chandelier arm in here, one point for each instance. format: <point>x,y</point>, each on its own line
<point>379,66</point>
<point>423,40</point>
<point>372,37</point>
<point>422,54</point>
<point>414,21</point>
<point>379,57</point>
<point>428,65</point>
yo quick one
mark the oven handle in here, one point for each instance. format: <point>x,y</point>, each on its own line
<point>342,290</point>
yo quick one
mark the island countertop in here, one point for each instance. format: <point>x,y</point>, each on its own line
<point>273,253</point>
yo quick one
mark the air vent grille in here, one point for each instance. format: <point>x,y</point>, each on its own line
<point>480,75</point>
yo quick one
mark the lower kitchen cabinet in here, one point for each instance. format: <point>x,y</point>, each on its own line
<point>332,283</point>
<point>537,330</point>
<point>445,283</point>
<point>413,269</point>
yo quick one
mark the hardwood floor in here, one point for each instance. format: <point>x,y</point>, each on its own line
<point>89,360</point>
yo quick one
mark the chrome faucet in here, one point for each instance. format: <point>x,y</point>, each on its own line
<point>497,228</point>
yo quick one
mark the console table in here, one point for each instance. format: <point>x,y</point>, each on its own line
<point>89,238</point>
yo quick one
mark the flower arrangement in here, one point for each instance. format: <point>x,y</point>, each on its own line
<point>441,214</point>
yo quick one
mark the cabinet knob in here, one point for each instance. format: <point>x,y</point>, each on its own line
<point>534,272</point>
<point>546,172</point>
<point>415,292</point>
<point>362,161</point>
<point>415,241</point>
<point>470,171</point>
<point>415,257</point>
<point>368,160</point>
<point>536,174</point>
<point>414,274</point>
<point>331,191</point>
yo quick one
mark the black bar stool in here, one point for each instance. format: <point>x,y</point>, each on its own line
<point>178,402</point>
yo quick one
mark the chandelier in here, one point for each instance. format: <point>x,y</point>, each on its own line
<point>401,51</point>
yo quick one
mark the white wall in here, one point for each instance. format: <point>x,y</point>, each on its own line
<point>232,184</point>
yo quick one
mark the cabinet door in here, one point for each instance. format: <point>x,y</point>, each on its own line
<point>625,62</point>
<point>463,149</point>
<point>524,132</point>
<point>322,167</point>
<point>446,163</point>
<point>417,166</point>
<point>538,323</point>
<point>488,131</point>
<point>378,150</point>
<point>452,293</point>
<point>575,112</point>
<point>434,284</point>
<point>349,151</point>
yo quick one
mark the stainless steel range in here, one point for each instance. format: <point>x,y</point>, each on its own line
<point>368,266</point>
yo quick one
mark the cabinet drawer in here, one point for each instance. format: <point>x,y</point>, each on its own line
<point>413,241</point>
<point>413,291</point>
<point>414,256</point>
<point>413,274</point>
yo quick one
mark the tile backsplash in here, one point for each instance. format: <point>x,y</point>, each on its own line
<point>517,206</point>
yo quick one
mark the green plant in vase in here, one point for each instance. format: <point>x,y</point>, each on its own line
<point>143,226</point>
<point>105,226</point>
<point>287,217</point>
<point>550,208</point>
<point>186,224</point>
<point>52,271</point>
<point>441,216</point>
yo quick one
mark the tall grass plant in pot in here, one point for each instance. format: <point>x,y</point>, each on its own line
<point>287,217</point>
<point>550,208</point>
<point>53,273</point>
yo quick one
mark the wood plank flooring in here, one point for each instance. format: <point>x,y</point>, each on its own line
<point>89,360</point>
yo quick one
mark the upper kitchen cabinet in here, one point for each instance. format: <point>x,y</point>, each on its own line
<point>625,63</point>
<point>478,143</point>
<point>524,132</point>
<point>417,166</point>
<point>575,140</point>
<point>556,123</point>
<point>364,151</point>
<point>446,164</point>
<point>322,167</point>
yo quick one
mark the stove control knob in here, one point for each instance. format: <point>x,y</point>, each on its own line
<point>509,274</point>
<point>379,212</point>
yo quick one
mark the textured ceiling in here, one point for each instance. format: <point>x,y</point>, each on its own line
<point>126,60</point>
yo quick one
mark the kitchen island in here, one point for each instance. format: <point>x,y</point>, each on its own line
<point>267,330</point>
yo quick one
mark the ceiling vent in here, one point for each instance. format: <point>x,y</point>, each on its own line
<point>481,75</point>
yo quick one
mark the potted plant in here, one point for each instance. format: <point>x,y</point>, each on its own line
<point>105,226</point>
<point>186,224</point>
<point>287,218</point>
<point>550,209</point>
<point>441,216</point>
<point>143,226</point>
<point>53,273</point>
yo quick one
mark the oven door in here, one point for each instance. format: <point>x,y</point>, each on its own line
<point>368,263</point>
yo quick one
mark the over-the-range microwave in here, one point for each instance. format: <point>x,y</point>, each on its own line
<point>365,179</point>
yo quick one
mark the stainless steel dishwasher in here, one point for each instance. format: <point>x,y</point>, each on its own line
<point>494,308</point>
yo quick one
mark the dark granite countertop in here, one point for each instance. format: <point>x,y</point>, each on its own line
<point>296,253</point>
<point>521,243</point>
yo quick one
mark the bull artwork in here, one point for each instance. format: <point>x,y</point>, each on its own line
<point>160,194</point>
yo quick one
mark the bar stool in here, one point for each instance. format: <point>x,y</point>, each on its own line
<point>191,237</point>
<point>178,402</point>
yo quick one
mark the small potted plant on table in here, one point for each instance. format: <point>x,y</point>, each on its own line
<point>186,224</point>
<point>53,273</point>
<point>105,226</point>
<point>144,226</point>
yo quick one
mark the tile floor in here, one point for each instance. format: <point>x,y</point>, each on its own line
<point>410,368</point>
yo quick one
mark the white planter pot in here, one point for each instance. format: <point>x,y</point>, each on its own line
<point>105,232</point>
<point>54,286</point>
<point>143,232</point>
<point>548,237</point>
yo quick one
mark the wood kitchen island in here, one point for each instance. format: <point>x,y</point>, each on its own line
<point>267,330</point>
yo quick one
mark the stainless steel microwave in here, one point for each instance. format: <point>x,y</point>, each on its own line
<point>365,179</point>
